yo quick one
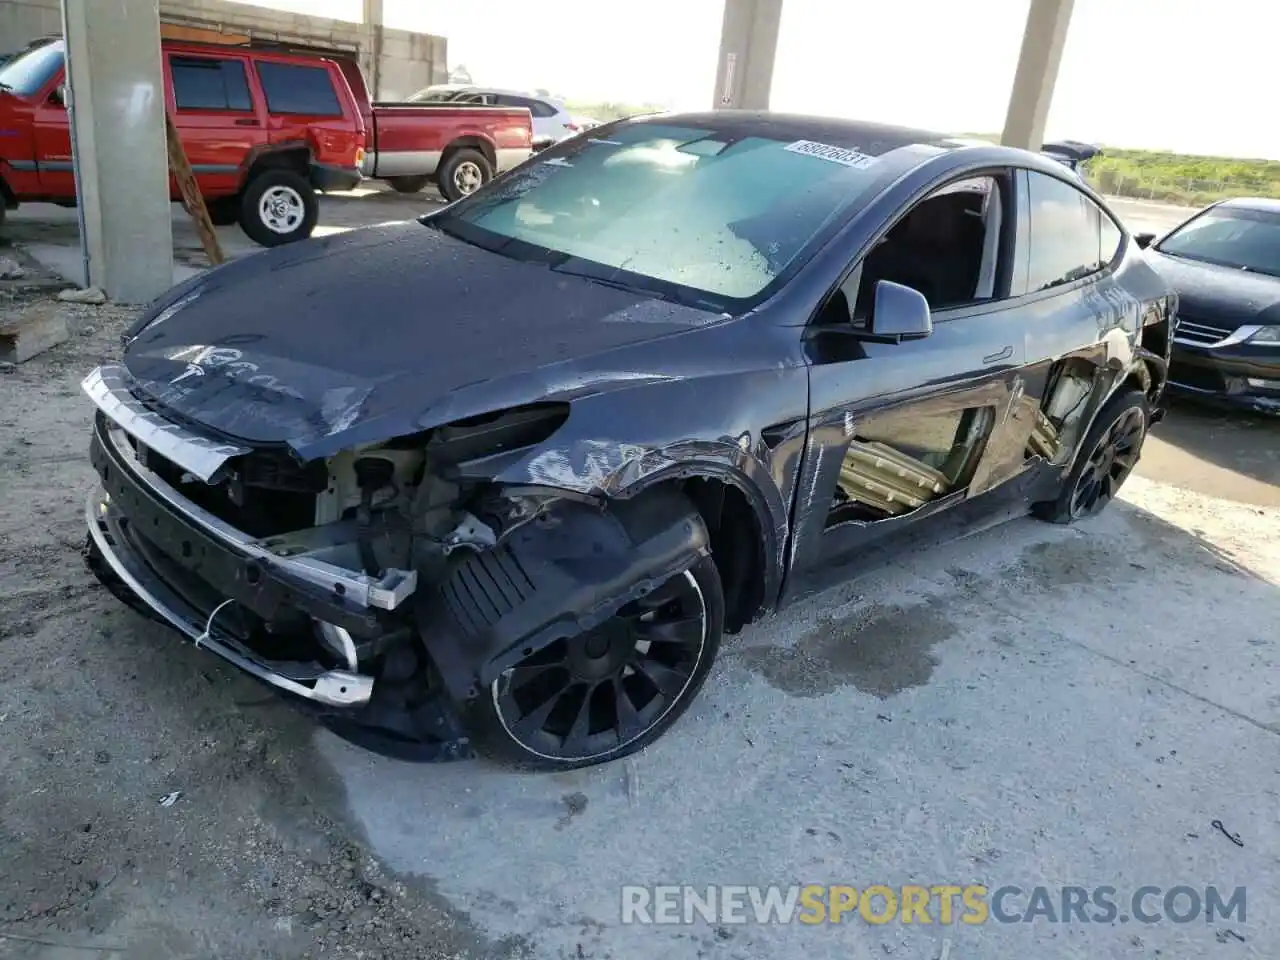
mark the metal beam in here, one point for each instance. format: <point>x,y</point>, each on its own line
<point>1042,46</point>
<point>748,42</point>
<point>116,107</point>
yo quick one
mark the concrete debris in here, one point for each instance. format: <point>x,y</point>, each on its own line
<point>33,331</point>
<point>87,295</point>
<point>10,269</point>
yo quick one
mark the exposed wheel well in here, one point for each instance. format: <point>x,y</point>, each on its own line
<point>737,546</point>
<point>470,143</point>
<point>297,159</point>
<point>1142,378</point>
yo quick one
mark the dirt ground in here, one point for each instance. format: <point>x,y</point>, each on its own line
<point>280,843</point>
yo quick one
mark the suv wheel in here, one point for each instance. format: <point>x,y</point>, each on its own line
<point>1107,456</point>
<point>463,173</point>
<point>612,690</point>
<point>277,207</point>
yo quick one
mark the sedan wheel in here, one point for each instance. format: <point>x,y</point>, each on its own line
<point>609,691</point>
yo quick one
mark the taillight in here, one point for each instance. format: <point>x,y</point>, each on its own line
<point>573,127</point>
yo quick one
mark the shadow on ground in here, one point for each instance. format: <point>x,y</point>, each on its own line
<point>1229,453</point>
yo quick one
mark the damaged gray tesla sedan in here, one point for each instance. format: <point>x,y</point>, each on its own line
<point>504,475</point>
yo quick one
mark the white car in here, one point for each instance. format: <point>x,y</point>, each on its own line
<point>551,121</point>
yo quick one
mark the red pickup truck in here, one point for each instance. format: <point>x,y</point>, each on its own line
<point>263,130</point>
<point>458,147</point>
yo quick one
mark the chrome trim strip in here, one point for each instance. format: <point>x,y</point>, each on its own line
<point>358,589</point>
<point>107,387</point>
<point>335,688</point>
<point>1239,335</point>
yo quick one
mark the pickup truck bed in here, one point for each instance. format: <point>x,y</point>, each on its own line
<point>413,143</point>
<point>459,147</point>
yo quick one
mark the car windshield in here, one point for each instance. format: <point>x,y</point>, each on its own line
<point>691,214</point>
<point>27,74</point>
<point>1230,237</point>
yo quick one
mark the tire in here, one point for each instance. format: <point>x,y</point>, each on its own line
<point>463,173</point>
<point>278,207</point>
<point>408,184</point>
<point>683,663</point>
<point>223,211</point>
<point>1110,451</point>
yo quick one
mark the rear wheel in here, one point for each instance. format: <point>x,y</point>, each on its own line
<point>223,211</point>
<point>277,207</point>
<point>610,691</point>
<point>1109,453</point>
<point>408,184</point>
<point>463,173</point>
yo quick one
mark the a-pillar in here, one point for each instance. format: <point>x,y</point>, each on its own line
<point>116,103</point>
<point>748,42</point>
<point>1042,45</point>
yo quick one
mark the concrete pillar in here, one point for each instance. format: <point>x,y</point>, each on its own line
<point>748,42</point>
<point>1042,45</point>
<point>373,24</point>
<point>116,105</point>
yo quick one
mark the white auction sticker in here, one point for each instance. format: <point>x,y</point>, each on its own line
<point>824,151</point>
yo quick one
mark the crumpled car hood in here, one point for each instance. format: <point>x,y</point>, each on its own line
<point>1208,291</point>
<point>382,332</point>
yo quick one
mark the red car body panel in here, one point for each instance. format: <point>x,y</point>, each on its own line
<point>221,145</point>
<point>409,139</point>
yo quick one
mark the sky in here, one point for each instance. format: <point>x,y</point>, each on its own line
<point>1193,76</point>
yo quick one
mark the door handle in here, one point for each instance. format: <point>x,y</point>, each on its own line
<point>246,122</point>
<point>1004,354</point>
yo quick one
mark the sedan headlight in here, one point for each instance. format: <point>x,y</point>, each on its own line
<point>1265,335</point>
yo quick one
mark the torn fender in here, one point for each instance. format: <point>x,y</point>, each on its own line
<point>553,579</point>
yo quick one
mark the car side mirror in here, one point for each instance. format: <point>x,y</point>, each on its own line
<point>1144,240</point>
<point>898,313</point>
<point>59,96</point>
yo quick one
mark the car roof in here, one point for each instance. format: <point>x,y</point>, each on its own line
<point>1259,204</point>
<point>870,138</point>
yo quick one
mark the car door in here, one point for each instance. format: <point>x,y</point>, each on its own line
<point>1080,322</point>
<point>899,433</point>
<point>51,129</point>
<point>214,112</point>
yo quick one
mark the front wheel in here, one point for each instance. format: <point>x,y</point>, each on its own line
<point>277,207</point>
<point>1107,456</point>
<point>463,173</point>
<point>613,690</point>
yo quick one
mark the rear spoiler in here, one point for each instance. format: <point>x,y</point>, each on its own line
<point>1072,152</point>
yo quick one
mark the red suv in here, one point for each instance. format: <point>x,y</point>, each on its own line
<point>263,132</point>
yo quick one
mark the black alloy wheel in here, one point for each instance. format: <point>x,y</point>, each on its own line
<point>1108,454</point>
<point>611,690</point>
<point>1109,465</point>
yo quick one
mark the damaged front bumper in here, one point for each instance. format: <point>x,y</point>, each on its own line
<point>109,531</point>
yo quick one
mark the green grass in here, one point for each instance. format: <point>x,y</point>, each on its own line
<point>1179,178</point>
<point>1176,177</point>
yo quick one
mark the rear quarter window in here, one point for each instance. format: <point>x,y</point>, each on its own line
<point>296,89</point>
<point>206,83</point>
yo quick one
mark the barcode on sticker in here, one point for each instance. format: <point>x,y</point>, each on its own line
<point>824,151</point>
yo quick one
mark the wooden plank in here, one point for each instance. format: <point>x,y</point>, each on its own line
<point>192,200</point>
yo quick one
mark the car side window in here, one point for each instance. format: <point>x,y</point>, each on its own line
<point>1071,237</point>
<point>542,109</point>
<point>209,83</point>
<point>947,247</point>
<point>292,88</point>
